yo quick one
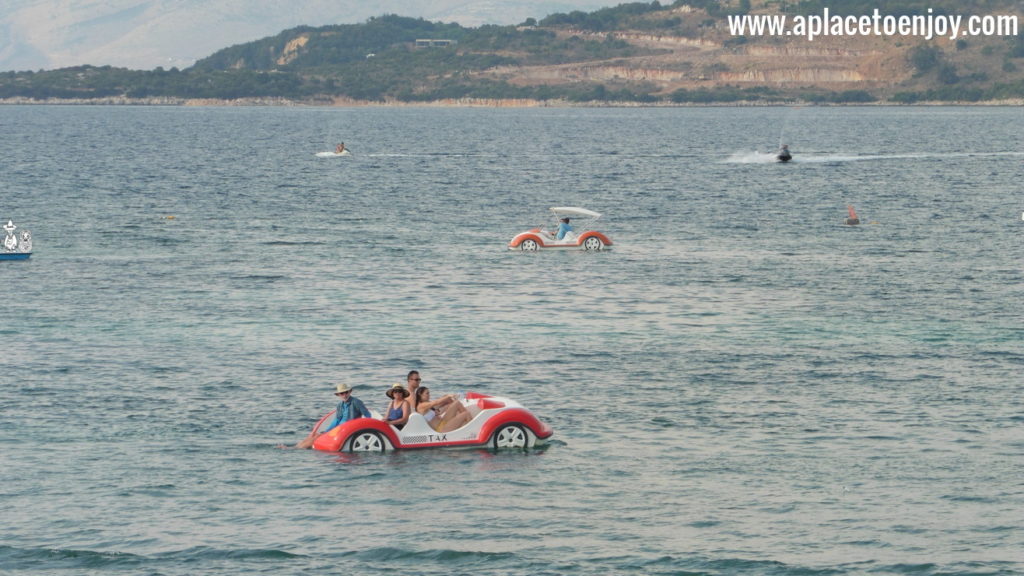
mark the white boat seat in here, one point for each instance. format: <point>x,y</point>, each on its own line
<point>416,424</point>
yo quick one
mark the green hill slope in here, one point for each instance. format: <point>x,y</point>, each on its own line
<point>638,52</point>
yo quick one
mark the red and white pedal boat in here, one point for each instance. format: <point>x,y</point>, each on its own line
<point>497,423</point>
<point>540,239</point>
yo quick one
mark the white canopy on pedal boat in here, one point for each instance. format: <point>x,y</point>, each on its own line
<point>572,211</point>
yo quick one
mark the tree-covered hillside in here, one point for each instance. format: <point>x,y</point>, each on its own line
<point>635,52</point>
<point>333,45</point>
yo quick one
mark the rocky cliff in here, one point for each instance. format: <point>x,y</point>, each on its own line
<point>698,55</point>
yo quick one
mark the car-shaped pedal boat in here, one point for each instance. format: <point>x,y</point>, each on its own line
<point>540,239</point>
<point>496,423</point>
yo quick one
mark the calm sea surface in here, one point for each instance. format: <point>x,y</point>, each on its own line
<point>744,385</point>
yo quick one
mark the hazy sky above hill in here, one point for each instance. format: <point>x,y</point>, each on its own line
<point>144,34</point>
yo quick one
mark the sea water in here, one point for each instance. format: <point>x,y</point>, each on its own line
<point>742,385</point>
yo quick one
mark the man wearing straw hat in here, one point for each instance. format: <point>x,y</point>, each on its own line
<point>349,408</point>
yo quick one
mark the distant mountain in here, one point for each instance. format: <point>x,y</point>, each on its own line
<point>145,34</point>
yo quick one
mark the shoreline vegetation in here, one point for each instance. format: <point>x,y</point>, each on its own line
<point>467,103</point>
<point>631,55</point>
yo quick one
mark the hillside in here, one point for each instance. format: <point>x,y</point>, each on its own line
<point>637,52</point>
<point>144,34</point>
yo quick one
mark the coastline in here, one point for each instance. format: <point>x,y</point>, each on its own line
<point>459,103</point>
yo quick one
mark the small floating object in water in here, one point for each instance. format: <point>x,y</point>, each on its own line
<point>16,246</point>
<point>171,217</point>
<point>852,220</point>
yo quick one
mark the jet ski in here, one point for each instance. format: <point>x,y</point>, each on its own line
<point>783,154</point>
